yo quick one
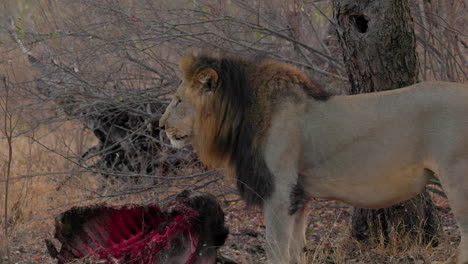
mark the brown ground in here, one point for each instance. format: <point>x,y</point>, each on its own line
<point>328,224</point>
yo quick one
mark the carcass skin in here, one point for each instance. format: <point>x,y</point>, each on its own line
<point>187,230</point>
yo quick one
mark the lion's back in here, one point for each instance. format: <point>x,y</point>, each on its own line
<point>277,81</point>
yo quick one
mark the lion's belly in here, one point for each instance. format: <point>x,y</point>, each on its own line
<point>379,190</point>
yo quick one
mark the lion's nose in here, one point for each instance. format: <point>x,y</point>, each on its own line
<point>163,119</point>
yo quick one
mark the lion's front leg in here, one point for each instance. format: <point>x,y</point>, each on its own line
<point>298,238</point>
<point>285,228</point>
<point>279,227</point>
<point>282,154</point>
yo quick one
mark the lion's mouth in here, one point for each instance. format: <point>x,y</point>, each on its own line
<point>180,137</point>
<point>177,141</point>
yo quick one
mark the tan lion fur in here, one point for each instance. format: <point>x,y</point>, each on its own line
<point>286,140</point>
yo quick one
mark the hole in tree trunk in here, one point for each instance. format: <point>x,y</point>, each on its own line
<point>360,22</point>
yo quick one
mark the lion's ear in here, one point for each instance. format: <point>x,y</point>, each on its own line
<point>208,78</point>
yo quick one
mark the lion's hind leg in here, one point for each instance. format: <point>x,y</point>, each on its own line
<point>454,179</point>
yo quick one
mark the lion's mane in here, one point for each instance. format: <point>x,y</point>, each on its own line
<point>230,127</point>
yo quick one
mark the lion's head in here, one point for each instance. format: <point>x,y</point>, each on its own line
<point>224,108</point>
<point>206,109</point>
<point>178,118</point>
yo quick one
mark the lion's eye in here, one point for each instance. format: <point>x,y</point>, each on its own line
<point>178,101</point>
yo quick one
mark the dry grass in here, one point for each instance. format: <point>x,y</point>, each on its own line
<point>400,249</point>
<point>337,246</point>
<point>37,191</point>
<point>329,239</point>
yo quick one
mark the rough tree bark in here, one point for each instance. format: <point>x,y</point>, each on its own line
<point>378,44</point>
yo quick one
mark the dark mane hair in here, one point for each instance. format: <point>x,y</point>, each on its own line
<point>232,125</point>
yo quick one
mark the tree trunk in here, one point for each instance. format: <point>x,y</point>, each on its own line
<point>378,44</point>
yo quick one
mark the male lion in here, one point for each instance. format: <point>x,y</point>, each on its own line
<point>286,141</point>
